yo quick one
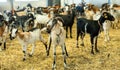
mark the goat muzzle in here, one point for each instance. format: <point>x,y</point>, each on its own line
<point>11,38</point>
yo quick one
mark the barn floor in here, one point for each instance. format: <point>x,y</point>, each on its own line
<point>79,58</point>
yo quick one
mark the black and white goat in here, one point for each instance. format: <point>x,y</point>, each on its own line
<point>92,27</point>
<point>20,21</point>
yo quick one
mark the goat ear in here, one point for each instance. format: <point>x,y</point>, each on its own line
<point>105,15</point>
<point>60,23</point>
<point>49,15</point>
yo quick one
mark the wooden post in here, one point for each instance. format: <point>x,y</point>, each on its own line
<point>12,6</point>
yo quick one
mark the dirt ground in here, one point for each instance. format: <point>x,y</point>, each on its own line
<point>79,58</point>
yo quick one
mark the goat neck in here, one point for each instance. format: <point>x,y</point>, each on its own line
<point>20,34</point>
<point>101,20</point>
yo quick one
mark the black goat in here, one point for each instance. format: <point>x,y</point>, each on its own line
<point>20,20</point>
<point>68,21</point>
<point>92,27</point>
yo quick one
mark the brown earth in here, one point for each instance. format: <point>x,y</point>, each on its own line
<point>79,58</point>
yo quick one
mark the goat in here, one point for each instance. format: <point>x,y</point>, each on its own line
<point>105,7</point>
<point>80,10</point>
<point>115,11</point>
<point>57,37</point>
<point>43,19</point>
<point>22,19</point>
<point>3,31</point>
<point>26,38</point>
<point>106,26</point>
<point>92,27</point>
<point>69,20</point>
<point>90,10</point>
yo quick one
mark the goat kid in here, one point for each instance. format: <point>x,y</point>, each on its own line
<point>26,38</point>
<point>57,37</point>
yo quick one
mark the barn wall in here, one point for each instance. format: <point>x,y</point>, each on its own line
<point>98,2</point>
<point>33,3</point>
<point>7,5</point>
<point>95,2</point>
<point>4,5</point>
<point>115,1</point>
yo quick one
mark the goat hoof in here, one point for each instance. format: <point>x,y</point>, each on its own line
<point>65,65</point>
<point>97,51</point>
<point>77,46</point>
<point>4,49</point>
<point>92,52</point>
<point>30,55</point>
<point>53,67</point>
<point>71,37</point>
<point>66,36</point>
<point>24,59</point>
<point>0,44</point>
<point>82,44</point>
<point>47,53</point>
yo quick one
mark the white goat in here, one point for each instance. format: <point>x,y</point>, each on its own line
<point>106,28</point>
<point>115,11</point>
<point>26,38</point>
<point>57,35</point>
<point>43,19</point>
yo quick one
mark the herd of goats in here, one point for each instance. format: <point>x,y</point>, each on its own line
<point>28,23</point>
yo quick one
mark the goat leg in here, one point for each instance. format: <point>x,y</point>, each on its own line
<point>5,45</point>
<point>32,50</point>
<point>70,32</point>
<point>66,32</point>
<point>77,39</point>
<point>82,37</point>
<point>54,55</point>
<point>63,53</point>
<point>92,44</point>
<point>96,44</point>
<point>66,50</point>
<point>44,42</point>
<point>24,51</point>
<point>50,40</point>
